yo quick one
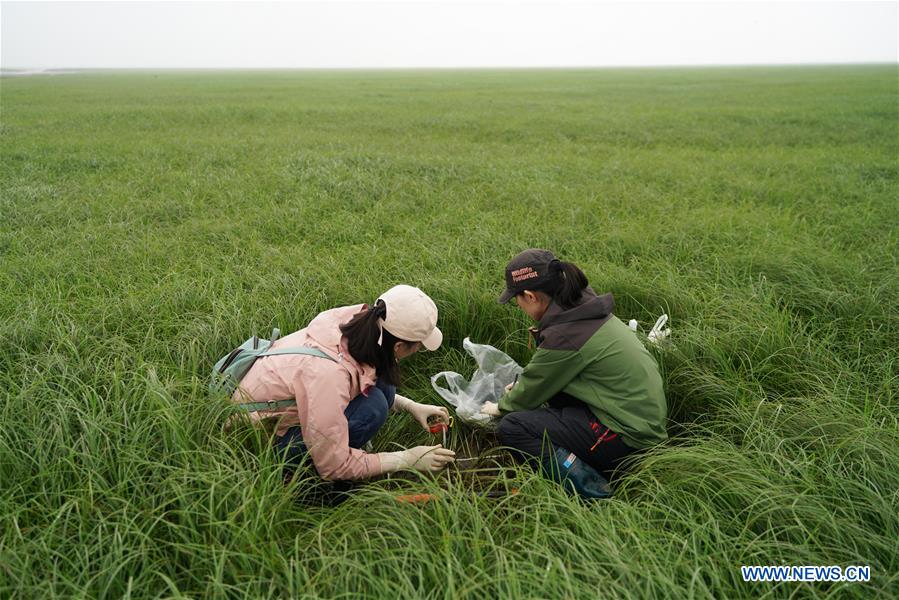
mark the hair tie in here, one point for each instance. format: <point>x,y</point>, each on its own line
<point>379,309</point>
<point>557,266</point>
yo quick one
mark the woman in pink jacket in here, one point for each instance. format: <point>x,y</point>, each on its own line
<point>343,398</point>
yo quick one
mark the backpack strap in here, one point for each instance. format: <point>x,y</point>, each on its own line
<point>257,406</point>
<point>309,350</point>
<point>275,405</point>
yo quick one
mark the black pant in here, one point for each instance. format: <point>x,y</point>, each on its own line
<point>567,423</point>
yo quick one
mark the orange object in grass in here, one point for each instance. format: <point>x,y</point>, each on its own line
<point>416,498</point>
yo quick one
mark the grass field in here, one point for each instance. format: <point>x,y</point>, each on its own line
<point>149,222</point>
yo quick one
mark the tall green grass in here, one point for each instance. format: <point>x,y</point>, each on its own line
<point>151,221</point>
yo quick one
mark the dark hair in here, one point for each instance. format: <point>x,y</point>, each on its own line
<point>568,285</point>
<point>362,333</point>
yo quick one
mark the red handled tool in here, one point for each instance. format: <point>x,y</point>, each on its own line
<point>442,429</point>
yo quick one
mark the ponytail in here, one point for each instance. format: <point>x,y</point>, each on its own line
<point>363,333</point>
<point>571,285</point>
<point>568,285</point>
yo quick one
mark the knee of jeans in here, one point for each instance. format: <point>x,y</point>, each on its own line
<point>508,429</point>
<point>374,408</point>
<point>388,390</point>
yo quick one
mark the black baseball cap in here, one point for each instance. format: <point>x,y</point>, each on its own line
<point>528,270</point>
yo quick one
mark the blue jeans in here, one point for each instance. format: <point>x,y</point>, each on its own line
<point>364,415</point>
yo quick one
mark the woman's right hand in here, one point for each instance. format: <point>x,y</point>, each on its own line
<point>427,459</point>
<point>491,409</point>
<point>430,459</point>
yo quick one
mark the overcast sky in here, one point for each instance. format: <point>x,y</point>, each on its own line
<point>442,34</point>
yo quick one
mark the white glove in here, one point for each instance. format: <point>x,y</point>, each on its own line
<point>421,412</point>
<point>491,409</point>
<point>427,459</point>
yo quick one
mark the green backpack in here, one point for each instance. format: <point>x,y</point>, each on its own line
<point>233,367</point>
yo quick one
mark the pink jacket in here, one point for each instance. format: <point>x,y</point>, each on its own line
<point>322,389</point>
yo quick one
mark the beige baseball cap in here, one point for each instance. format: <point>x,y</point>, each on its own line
<point>412,316</point>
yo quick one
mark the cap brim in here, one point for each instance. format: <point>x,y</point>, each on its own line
<point>506,296</point>
<point>433,341</point>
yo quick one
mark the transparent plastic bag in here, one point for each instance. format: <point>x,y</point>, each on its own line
<point>495,371</point>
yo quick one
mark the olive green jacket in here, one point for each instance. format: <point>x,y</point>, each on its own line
<point>588,353</point>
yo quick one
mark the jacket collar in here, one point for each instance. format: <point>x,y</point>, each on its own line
<point>590,307</point>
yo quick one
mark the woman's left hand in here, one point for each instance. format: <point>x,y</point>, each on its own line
<point>423,412</point>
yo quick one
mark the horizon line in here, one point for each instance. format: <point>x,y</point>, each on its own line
<point>449,68</point>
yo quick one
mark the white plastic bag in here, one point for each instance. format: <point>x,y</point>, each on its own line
<point>495,371</point>
<point>658,334</point>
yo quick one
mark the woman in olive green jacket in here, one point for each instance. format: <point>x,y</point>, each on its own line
<point>604,392</point>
